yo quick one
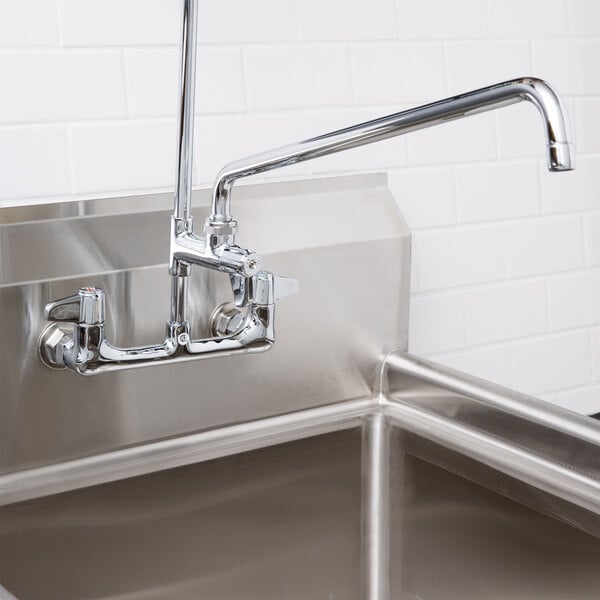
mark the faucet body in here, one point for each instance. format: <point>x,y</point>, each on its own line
<point>75,337</point>
<point>247,323</point>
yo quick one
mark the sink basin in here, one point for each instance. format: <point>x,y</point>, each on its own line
<point>285,522</point>
<point>361,499</point>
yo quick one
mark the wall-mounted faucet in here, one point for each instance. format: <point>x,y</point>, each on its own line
<point>75,337</point>
<point>246,324</point>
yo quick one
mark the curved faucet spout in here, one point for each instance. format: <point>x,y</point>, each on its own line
<point>534,90</point>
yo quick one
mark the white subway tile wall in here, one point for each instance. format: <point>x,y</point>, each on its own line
<point>592,239</point>
<point>543,245</point>
<point>596,354</point>
<point>506,260</point>
<point>438,322</point>
<point>551,363</point>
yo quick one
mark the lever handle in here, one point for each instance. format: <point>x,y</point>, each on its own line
<point>268,288</point>
<point>86,308</point>
<point>63,310</point>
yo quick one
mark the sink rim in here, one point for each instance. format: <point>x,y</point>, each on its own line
<point>396,407</point>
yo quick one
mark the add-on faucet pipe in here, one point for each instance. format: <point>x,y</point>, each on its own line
<point>530,89</point>
<point>182,221</point>
<point>187,88</point>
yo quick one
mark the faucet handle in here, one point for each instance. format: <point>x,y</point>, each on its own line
<point>267,288</point>
<point>63,310</point>
<point>85,308</point>
<point>284,287</point>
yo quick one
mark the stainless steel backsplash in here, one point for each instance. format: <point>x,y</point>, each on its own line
<point>344,241</point>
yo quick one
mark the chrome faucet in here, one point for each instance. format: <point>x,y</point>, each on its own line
<point>247,324</point>
<point>75,337</point>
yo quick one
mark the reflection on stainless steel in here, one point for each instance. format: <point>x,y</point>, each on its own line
<point>307,505</point>
<point>246,325</point>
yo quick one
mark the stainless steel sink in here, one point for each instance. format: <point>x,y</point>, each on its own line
<point>335,466</point>
<point>373,510</point>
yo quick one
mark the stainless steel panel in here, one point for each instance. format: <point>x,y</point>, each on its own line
<point>359,248</point>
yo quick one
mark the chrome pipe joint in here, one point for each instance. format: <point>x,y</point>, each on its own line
<point>246,324</point>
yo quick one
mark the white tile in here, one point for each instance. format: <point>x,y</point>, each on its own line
<point>524,18</point>
<point>41,86</point>
<point>220,140</point>
<point>427,19</point>
<point>592,240</point>
<point>550,364</point>
<point>153,75</point>
<point>118,23</point>
<point>152,81</point>
<point>501,312</point>
<point>544,246</point>
<point>436,323</point>
<point>297,77</point>
<point>588,124</point>
<point>570,66</point>
<point>466,140</point>
<point>414,273</point>
<point>28,22</point>
<point>123,156</point>
<point>34,162</point>
<point>585,401</point>
<point>584,17</point>
<point>386,154</point>
<point>373,20</point>
<point>220,81</point>
<point>596,354</point>
<point>492,364</point>
<point>573,190</point>
<point>458,257</point>
<point>472,65</point>
<point>243,21</point>
<point>502,191</point>
<point>574,300</point>
<point>425,198</point>
<point>373,65</point>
